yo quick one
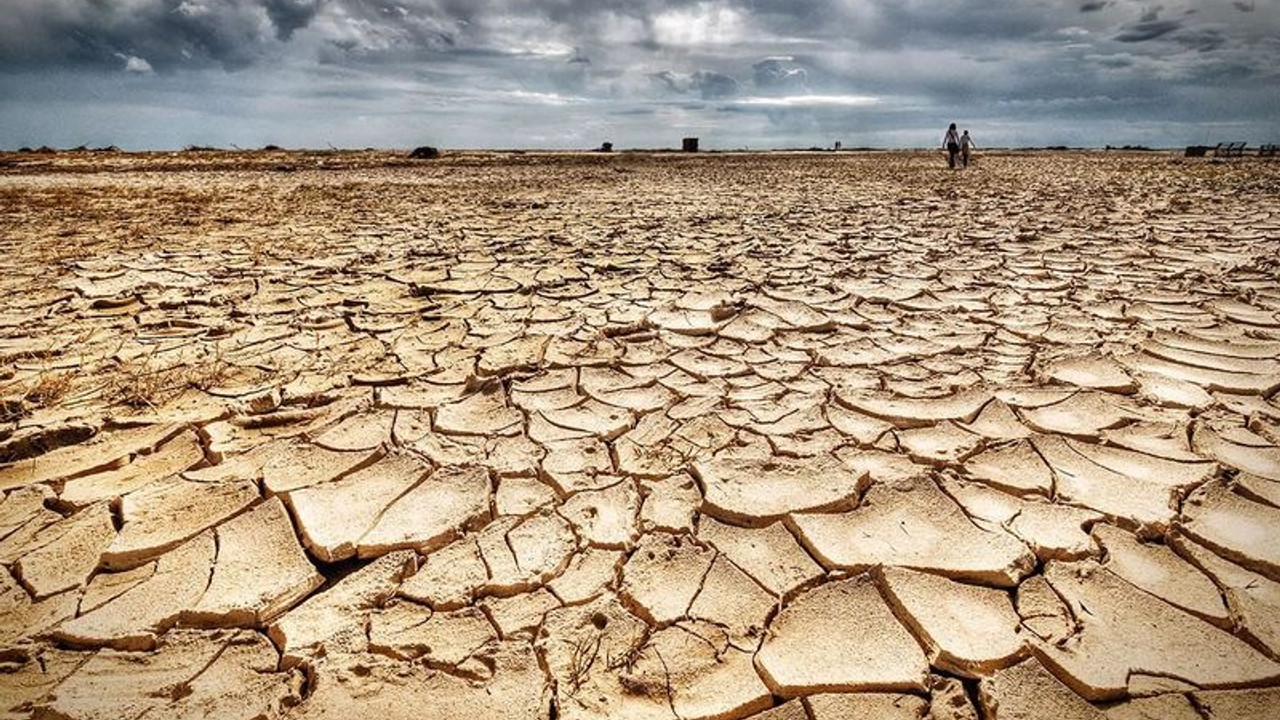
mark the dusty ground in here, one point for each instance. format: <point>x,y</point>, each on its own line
<point>336,435</point>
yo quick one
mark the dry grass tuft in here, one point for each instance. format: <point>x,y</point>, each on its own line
<point>49,388</point>
<point>141,388</point>
<point>585,651</point>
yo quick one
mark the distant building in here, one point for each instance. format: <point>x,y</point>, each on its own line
<point>689,144</point>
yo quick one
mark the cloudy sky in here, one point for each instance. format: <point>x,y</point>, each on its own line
<point>147,74</point>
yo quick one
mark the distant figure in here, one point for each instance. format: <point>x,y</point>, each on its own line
<point>966,144</point>
<point>951,141</point>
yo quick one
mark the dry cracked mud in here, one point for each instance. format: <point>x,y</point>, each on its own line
<point>784,436</point>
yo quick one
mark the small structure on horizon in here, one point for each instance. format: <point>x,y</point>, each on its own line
<point>1230,149</point>
<point>424,153</point>
<point>689,144</point>
<point>839,146</point>
<point>606,147</point>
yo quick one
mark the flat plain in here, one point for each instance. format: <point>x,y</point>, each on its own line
<point>782,435</point>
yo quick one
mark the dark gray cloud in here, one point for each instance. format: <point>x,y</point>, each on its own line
<point>166,33</point>
<point>703,83</point>
<point>290,15</point>
<point>1201,40</point>
<point>566,72</point>
<point>1148,30</point>
<point>972,20</point>
<point>780,74</point>
<point>1115,61</point>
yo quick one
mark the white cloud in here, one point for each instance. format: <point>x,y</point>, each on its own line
<point>617,29</point>
<point>538,98</point>
<point>192,9</point>
<point>811,101</point>
<point>704,24</point>
<point>1074,31</point>
<point>541,48</point>
<point>135,64</point>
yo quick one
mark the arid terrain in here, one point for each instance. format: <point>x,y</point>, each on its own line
<point>785,436</point>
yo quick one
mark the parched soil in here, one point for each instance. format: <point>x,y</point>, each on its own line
<point>789,436</point>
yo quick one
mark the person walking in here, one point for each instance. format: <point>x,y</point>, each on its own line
<point>951,141</point>
<point>966,144</point>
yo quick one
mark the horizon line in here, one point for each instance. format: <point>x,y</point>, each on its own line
<point>112,149</point>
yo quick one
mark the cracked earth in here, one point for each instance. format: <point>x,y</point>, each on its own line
<point>777,436</point>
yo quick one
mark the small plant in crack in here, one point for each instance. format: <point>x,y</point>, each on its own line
<point>626,661</point>
<point>141,387</point>
<point>48,389</point>
<point>586,649</point>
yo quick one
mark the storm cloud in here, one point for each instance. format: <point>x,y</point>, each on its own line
<point>1148,30</point>
<point>571,73</point>
<point>166,33</point>
<point>290,15</point>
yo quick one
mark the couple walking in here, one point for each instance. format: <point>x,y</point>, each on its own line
<point>957,144</point>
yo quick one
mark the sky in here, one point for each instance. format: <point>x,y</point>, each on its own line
<point>571,74</point>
